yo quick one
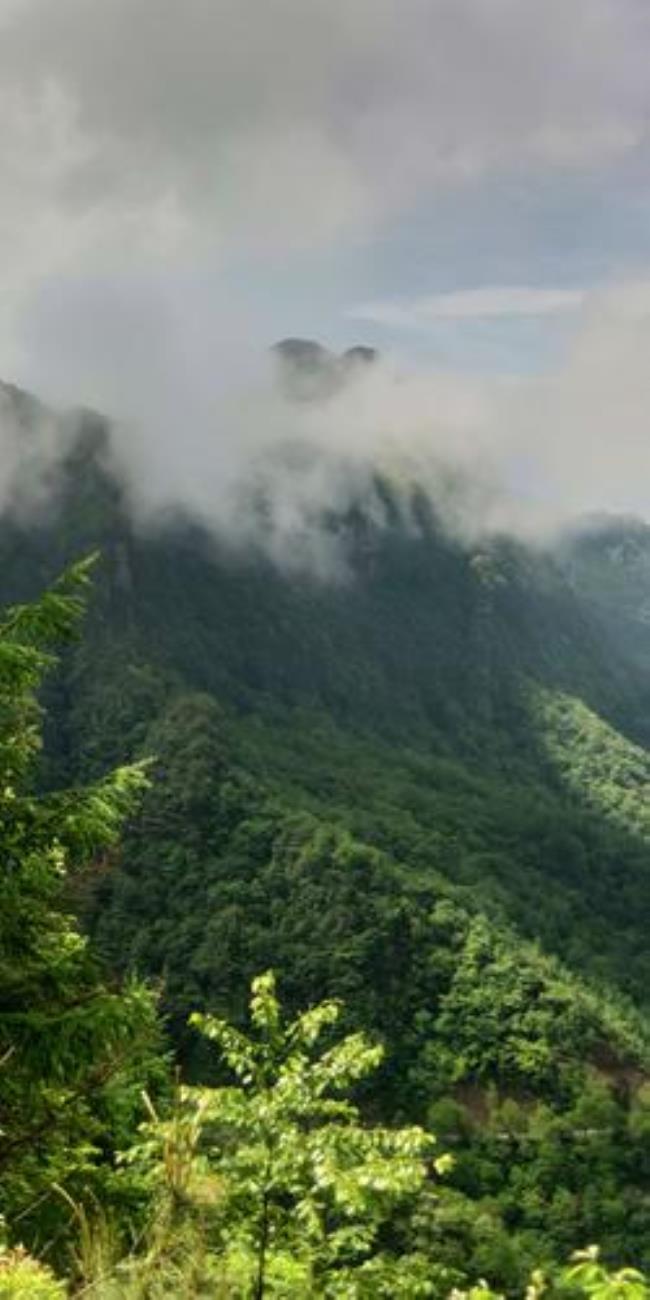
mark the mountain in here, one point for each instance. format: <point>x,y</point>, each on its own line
<point>307,370</point>
<point>419,785</point>
<point>607,561</point>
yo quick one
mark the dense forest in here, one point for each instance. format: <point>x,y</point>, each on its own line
<point>323,950</point>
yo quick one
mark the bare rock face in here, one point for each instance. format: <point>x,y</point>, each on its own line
<point>310,372</point>
<point>304,354</point>
<point>306,370</point>
<point>360,355</point>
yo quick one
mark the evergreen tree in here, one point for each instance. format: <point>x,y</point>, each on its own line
<point>72,1045</point>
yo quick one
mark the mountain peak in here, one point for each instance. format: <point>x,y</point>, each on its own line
<point>309,371</point>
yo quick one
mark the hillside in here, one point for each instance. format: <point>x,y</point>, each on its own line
<point>607,560</point>
<point>421,788</point>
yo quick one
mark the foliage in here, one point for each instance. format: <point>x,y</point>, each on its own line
<point>23,1278</point>
<point>421,790</point>
<point>588,1274</point>
<point>236,880</point>
<point>296,1190</point>
<point>72,1046</point>
<point>584,1276</point>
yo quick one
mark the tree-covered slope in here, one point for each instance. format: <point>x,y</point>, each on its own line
<point>457,707</point>
<point>534,1077</point>
<point>418,632</point>
<point>420,788</point>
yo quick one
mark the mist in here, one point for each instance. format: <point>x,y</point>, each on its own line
<point>521,454</point>
<point>184,185</point>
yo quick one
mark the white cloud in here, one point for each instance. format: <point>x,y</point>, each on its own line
<point>145,142</point>
<point>526,454</point>
<point>284,123</point>
<point>530,453</point>
<point>469,304</point>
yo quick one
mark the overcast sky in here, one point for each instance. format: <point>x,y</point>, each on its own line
<point>463,183</point>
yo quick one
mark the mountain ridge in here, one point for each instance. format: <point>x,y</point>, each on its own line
<point>419,788</point>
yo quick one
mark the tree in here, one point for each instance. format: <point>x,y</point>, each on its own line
<point>585,1276</point>
<point>298,1197</point>
<point>72,1047</point>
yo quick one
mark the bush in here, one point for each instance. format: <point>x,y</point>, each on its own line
<point>23,1278</point>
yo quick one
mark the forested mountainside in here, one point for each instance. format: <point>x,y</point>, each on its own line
<point>607,561</point>
<point>420,789</point>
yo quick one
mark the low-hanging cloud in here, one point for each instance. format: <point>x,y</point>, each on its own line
<point>254,463</point>
<point>526,454</point>
<point>33,443</point>
<point>149,147</point>
<point>520,454</point>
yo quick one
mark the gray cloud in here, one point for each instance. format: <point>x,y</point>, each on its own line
<point>154,137</point>
<point>144,129</point>
<point>523,454</point>
<point>147,144</point>
<point>33,441</point>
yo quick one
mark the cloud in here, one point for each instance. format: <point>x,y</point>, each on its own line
<point>33,442</point>
<point>260,467</point>
<point>523,454</point>
<point>469,304</point>
<point>157,157</point>
<point>148,140</point>
<point>587,424</point>
<point>144,130</point>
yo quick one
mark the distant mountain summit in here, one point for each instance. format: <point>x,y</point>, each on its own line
<point>308,371</point>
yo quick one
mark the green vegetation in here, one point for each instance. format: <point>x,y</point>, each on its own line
<point>23,1278</point>
<point>287,1191</point>
<point>74,1049</point>
<point>420,797</point>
